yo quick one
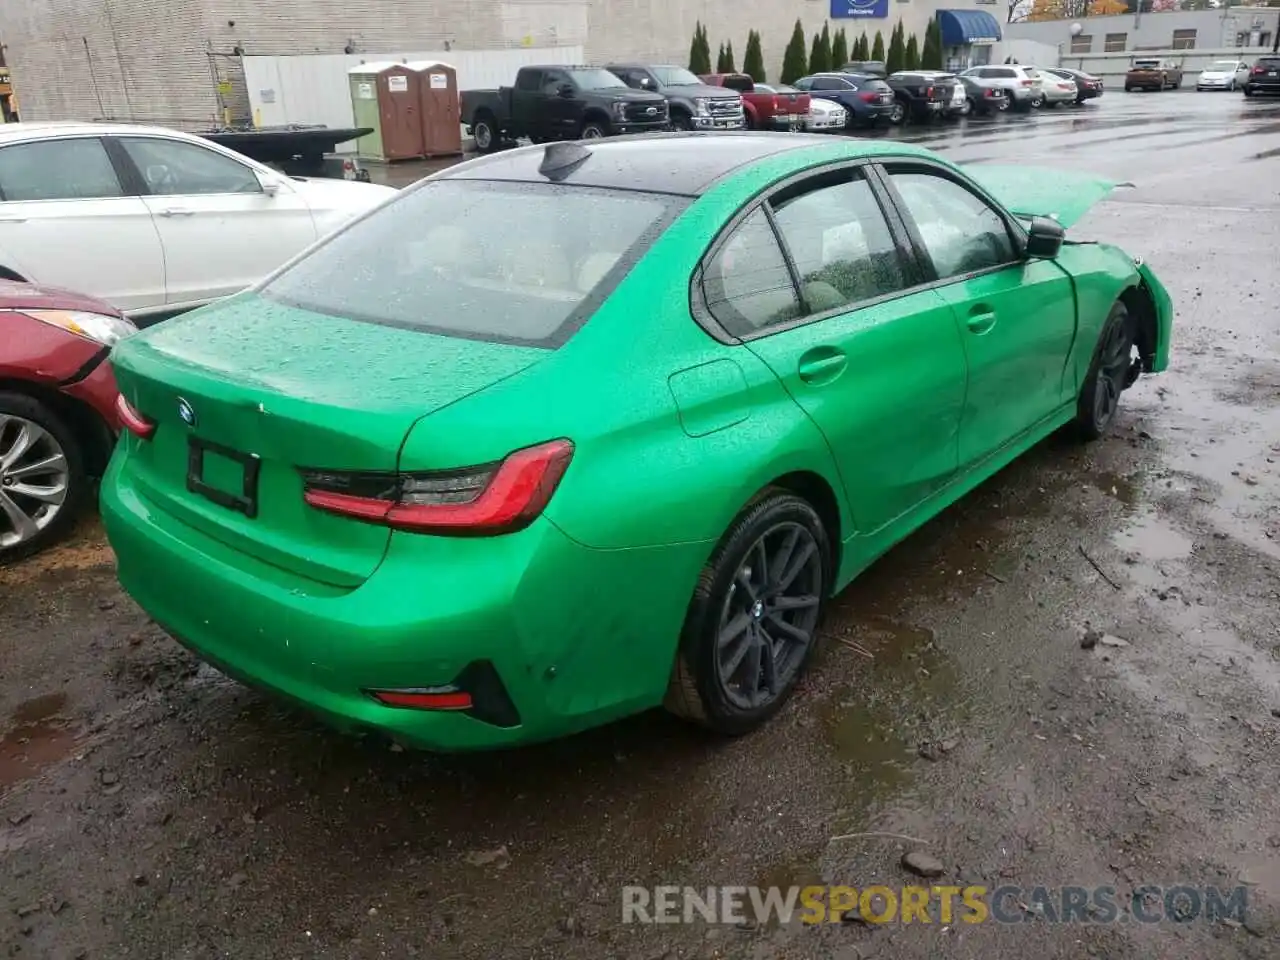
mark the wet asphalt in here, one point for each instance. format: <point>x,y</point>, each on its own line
<point>150,808</point>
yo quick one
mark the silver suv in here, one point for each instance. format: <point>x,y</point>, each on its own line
<point>1022,85</point>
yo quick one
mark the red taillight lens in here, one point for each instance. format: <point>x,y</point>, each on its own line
<point>424,698</point>
<point>1027,83</point>
<point>133,421</point>
<point>479,501</point>
<point>929,93</point>
<point>868,97</point>
<point>1258,71</point>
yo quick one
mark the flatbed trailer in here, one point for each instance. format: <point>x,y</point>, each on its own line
<point>296,149</point>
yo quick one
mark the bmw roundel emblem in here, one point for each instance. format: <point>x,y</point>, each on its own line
<point>186,412</point>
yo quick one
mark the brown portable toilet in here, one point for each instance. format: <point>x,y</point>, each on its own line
<point>441,109</point>
<point>385,96</point>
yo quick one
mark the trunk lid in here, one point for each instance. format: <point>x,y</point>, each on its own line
<point>1041,192</point>
<point>261,386</point>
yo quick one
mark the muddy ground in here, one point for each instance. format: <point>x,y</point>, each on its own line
<point>151,809</point>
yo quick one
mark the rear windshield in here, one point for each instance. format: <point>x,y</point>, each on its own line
<point>520,263</point>
<point>1146,64</point>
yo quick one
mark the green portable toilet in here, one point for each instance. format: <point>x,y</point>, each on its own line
<point>386,97</point>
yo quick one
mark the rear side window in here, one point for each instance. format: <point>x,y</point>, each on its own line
<point>529,80</point>
<point>746,285</point>
<point>174,168</point>
<point>485,260</point>
<point>73,169</point>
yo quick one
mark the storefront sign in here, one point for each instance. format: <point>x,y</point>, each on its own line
<point>859,9</point>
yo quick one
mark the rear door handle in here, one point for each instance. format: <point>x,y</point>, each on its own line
<point>822,365</point>
<point>981,319</point>
<point>176,212</point>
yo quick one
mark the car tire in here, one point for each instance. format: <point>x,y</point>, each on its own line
<point>484,130</point>
<point>724,676</point>
<point>593,130</point>
<point>966,108</point>
<point>681,121</point>
<point>1248,92</point>
<point>19,412</point>
<point>1110,372</point>
<point>1037,102</point>
<point>898,114</point>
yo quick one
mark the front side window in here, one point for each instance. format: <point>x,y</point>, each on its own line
<point>839,241</point>
<point>174,168</point>
<point>73,169</point>
<point>484,260</point>
<point>595,78</point>
<point>746,285</point>
<point>961,233</point>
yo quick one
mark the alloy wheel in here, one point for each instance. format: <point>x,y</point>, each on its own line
<point>770,615</point>
<point>897,114</point>
<point>1113,367</point>
<point>483,135</point>
<point>34,477</point>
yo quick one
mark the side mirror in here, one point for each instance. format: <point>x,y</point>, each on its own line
<point>564,90</point>
<point>1044,238</point>
<point>270,185</point>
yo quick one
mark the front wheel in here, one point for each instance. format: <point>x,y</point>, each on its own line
<point>680,121</point>
<point>1111,371</point>
<point>752,625</point>
<point>593,130</point>
<point>43,481</point>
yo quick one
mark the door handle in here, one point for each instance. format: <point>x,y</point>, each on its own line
<point>981,319</point>
<point>822,365</point>
<point>176,212</point>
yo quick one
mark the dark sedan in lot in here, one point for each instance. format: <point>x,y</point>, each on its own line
<point>1264,77</point>
<point>1088,87</point>
<point>869,100</point>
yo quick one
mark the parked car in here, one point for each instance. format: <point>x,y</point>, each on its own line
<point>1264,77</point>
<point>694,105</point>
<point>920,96</point>
<point>826,115</point>
<point>154,221</point>
<point>867,100</point>
<point>407,405</point>
<point>58,416</point>
<point>1223,75</point>
<point>984,96</point>
<point>958,105</point>
<point>869,68</point>
<point>1021,84</point>
<point>1055,89</point>
<point>1088,87</point>
<point>560,103</point>
<point>767,107</point>
<point>1153,73</point>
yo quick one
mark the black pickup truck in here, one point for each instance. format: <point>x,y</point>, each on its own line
<point>560,103</point>
<point>919,96</point>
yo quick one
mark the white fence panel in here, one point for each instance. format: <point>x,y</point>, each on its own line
<point>314,88</point>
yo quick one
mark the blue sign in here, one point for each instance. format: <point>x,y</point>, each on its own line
<point>859,9</point>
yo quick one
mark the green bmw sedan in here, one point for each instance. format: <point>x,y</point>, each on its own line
<point>573,431</point>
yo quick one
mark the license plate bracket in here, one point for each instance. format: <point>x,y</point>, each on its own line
<point>245,502</point>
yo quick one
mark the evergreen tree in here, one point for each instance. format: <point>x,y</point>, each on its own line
<point>815,56</point>
<point>931,55</point>
<point>753,59</point>
<point>897,50</point>
<point>877,48</point>
<point>912,59</point>
<point>795,62</point>
<point>700,51</point>
<point>861,49</point>
<point>826,49</point>
<point>839,49</point>
<point>729,66</point>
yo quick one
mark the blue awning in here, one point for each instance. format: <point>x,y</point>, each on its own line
<point>962,27</point>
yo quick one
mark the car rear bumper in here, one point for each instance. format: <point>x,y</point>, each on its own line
<point>1262,86</point>
<point>555,629</point>
<point>788,121</point>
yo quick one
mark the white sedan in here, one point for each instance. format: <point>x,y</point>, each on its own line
<point>1223,75</point>
<point>826,115</point>
<point>153,220</point>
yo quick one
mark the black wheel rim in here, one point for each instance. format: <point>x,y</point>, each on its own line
<point>1113,366</point>
<point>484,136</point>
<point>769,616</point>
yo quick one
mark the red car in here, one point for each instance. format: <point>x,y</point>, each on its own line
<point>766,107</point>
<point>58,419</point>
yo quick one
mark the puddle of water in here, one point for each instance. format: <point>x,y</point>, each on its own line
<point>38,738</point>
<point>1122,487</point>
<point>1152,539</point>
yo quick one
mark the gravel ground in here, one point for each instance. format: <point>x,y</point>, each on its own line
<point>150,808</point>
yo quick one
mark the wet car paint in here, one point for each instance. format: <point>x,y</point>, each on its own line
<point>199,803</point>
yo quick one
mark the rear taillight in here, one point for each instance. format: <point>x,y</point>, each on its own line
<point>779,103</point>
<point>424,698</point>
<point>1258,71</point>
<point>868,97</point>
<point>929,93</point>
<point>476,501</point>
<point>140,426</point>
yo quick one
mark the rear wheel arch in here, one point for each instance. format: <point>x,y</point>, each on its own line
<point>814,489</point>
